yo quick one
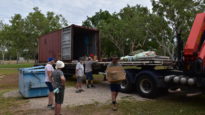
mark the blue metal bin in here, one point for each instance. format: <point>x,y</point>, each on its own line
<point>32,82</point>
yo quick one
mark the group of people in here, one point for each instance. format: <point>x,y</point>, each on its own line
<point>55,80</point>
<point>87,71</point>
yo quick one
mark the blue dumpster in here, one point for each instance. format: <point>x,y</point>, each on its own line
<point>32,82</point>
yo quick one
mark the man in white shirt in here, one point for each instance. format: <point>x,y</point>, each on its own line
<point>48,80</point>
<point>79,76</point>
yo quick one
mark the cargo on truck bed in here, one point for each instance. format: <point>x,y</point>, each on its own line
<point>147,61</point>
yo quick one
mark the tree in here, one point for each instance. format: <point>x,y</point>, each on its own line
<point>20,38</point>
<point>98,19</point>
<point>123,32</point>
<point>16,34</point>
<point>2,41</point>
<point>179,15</point>
<point>38,24</point>
<point>159,33</point>
<point>135,20</point>
<point>113,31</point>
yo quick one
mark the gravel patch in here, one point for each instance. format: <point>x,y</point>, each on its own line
<point>100,94</point>
<point>14,93</point>
<point>2,76</point>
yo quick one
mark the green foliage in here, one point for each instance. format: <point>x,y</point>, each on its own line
<point>136,27</point>
<point>122,32</point>
<point>21,36</point>
<point>98,19</point>
<point>179,15</point>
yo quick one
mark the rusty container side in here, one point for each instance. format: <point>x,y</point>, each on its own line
<point>49,45</point>
<point>69,45</point>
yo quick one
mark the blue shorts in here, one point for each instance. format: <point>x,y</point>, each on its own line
<point>114,87</point>
<point>50,86</point>
<point>89,76</point>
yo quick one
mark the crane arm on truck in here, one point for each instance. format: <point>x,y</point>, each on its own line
<point>194,50</point>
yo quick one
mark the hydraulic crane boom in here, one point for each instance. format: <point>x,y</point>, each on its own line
<point>194,50</point>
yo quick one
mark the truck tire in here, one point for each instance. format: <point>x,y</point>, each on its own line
<point>126,86</point>
<point>147,86</point>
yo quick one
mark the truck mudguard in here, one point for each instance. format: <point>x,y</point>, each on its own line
<point>130,75</point>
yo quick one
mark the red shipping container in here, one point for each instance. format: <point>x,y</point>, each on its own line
<point>69,44</point>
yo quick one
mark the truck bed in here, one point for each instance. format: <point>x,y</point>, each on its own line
<point>141,62</point>
<point>147,61</point>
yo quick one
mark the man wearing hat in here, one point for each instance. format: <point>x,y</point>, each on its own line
<point>59,86</point>
<point>48,80</point>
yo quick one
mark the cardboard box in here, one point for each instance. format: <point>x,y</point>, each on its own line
<point>95,58</point>
<point>115,74</point>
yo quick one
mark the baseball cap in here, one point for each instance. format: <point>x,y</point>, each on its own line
<point>51,59</point>
<point>92,55</point>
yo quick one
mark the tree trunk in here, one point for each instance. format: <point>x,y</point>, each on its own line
<point>3,56</point>
<point>132,47</point>
<point>17,57</point>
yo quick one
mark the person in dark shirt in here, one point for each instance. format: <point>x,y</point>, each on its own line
<point>59,86</point>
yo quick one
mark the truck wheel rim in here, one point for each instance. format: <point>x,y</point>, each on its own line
<point>123,84</point>
<point>146,86</point>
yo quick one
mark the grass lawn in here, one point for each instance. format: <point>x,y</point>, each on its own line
<point>16,65</point>
<point>171,105</point>
<point>8,71</point>
<point>167,105</point>
<point>7,105</point>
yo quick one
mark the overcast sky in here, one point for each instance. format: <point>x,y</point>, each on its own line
<point>75,11</point>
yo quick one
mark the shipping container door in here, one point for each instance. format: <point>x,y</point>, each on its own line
<point>66,43</point>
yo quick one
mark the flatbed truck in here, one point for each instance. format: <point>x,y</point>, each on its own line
<point>152,76</point>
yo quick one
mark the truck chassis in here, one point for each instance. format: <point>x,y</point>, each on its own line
<point>146,75</point>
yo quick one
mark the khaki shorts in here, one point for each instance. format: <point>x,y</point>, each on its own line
<point>79,79</point>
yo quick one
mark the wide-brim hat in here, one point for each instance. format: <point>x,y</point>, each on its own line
<point>60,65</point>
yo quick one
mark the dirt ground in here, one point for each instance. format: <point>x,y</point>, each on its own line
<point>12,80</point>
<point>96,101</point>
<point>100,94</point>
